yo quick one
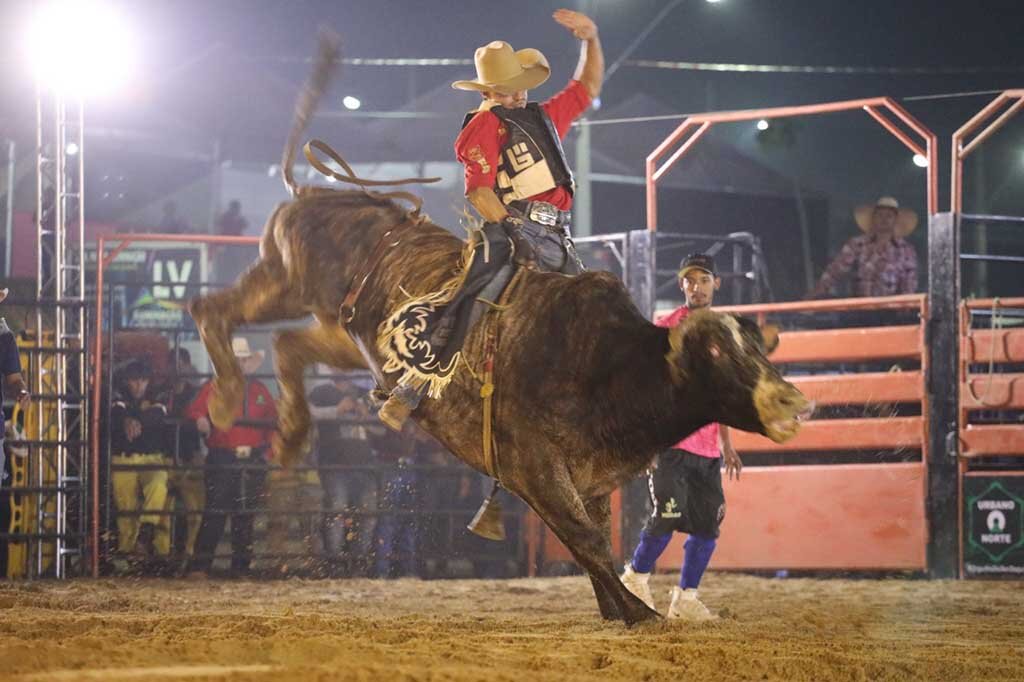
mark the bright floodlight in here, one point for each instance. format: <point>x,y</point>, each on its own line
<point>72,148</point>
<point>79,47</point>
<point>714,1</point>
<point>762,124</point>
<point>920,160</point>
<point>351,103</point>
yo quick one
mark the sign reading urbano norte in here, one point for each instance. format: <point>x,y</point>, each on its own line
<point>994,526</point>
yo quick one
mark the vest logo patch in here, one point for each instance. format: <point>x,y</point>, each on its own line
<point>476,155</point>
<point>671,510</point>
<point>519,157</point>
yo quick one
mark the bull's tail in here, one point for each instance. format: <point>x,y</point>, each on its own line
<point>327,52</point>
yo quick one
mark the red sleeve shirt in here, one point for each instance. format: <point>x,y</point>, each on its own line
<point>258,405</point>
<point>478,147</point>
<point>703,442</point>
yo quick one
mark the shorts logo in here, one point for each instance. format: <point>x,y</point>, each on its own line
<point>721,512</point>
<point>670,510</point>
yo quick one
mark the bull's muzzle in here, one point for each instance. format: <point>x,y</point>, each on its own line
<point>781,407</point>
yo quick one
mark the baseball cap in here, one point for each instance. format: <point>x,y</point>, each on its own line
<point>697,261</point>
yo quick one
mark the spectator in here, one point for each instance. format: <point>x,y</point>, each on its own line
<point>235,466</point>
<point>136,447</point>
<point>172,222</point>
<point>230,260</point>
<point>183,444</point>
<point>396,525</point>
<point>10,371</point>
<point>885,262</point>
<point>231,222</point>
<point>350,495</point>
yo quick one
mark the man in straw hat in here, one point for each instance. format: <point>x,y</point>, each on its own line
<point>236,465</point>
<point>518,180</point>
<point>886,263</point>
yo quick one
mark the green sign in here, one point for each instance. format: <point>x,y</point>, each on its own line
<point>994,526</point>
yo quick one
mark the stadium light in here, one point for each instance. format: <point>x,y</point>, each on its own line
<point>79,47</point>
<point>71,149</point>
<point>351,103</point>
<point>762,124</point>
<point>920,161</point>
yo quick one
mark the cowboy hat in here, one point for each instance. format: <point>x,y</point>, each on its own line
<point>906,220</point>
<point>241,350</point>
<point>503,70</point>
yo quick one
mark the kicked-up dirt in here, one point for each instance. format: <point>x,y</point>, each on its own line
<point>528,629</point>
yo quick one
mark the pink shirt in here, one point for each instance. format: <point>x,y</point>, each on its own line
<point>703,442</point>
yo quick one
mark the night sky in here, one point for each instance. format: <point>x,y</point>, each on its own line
<point>225,72</point>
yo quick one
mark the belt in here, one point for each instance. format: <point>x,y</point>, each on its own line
<point>544,214</point>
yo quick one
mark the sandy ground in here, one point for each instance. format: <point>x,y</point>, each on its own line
<point>539,629</point>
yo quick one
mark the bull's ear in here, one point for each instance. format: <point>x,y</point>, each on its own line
<point>770,333</point>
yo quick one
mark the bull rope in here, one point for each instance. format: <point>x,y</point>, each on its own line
<point>490,447</point>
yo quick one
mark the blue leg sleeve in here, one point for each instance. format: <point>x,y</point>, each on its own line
<point>648,551</point>
<point>696,556</point>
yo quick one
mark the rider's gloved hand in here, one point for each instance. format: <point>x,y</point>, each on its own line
<point>523,253</point>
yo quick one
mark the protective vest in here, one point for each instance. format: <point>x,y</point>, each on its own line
<point>532,159</point>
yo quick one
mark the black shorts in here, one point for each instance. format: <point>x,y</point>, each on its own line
<point>686,491</point>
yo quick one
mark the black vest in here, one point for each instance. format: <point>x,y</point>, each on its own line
<point>532,159</point>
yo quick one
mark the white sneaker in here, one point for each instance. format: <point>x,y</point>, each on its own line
<point>637,584</point>
<point>686,606</point>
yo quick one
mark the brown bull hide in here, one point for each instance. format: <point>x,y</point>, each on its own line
<point>587,390</point>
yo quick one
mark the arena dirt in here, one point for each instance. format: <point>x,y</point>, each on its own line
<point>540,629</point>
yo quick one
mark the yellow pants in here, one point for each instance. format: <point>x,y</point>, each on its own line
<point>188,485</point>
<point>143,490</point>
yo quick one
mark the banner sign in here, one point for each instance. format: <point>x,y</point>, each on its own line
<point>994,526</point>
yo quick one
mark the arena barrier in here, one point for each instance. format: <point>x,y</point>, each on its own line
<point>991,462</point>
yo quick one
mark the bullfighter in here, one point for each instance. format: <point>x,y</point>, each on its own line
<point>686,481</point>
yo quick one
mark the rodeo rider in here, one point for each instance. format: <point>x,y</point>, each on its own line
<point>517,178</point>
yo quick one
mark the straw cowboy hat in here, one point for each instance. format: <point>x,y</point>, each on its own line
<point>503,70</point>
<point>241,350</point>
<point>906,220</point>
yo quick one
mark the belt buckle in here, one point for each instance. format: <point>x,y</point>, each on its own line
<point>243,452</point>
<point>543,213</point>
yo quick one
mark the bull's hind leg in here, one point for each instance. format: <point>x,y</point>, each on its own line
<point>294,351</point>
<point>558,503</point>
<point>260,295</point>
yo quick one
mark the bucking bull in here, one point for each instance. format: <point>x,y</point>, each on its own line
<point>587,391</point>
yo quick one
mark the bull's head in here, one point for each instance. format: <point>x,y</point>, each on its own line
<point>724,357</point>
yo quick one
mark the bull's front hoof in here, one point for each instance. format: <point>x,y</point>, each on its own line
<point>224,402</point>
<point>643,616</point>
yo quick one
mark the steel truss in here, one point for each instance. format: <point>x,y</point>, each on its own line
<point>58,472</point>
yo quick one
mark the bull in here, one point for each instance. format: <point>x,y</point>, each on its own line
<point>587,391</point>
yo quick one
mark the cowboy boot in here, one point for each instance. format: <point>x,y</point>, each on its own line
<point>394,412</point>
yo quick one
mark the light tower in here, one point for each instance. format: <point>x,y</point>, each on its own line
<point>78,49</point>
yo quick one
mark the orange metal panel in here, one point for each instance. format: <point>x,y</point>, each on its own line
<point>840,434</point>
<point>995,391</point>
<point>1009,346</point>
<point>858,389</point>
<point>852,516</point>
<point>838,345</point>
<point>992,439</point>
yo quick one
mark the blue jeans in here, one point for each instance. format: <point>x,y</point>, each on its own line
<point>396,533</point>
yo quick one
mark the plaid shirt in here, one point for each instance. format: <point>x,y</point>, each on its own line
<point>882,269</point>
